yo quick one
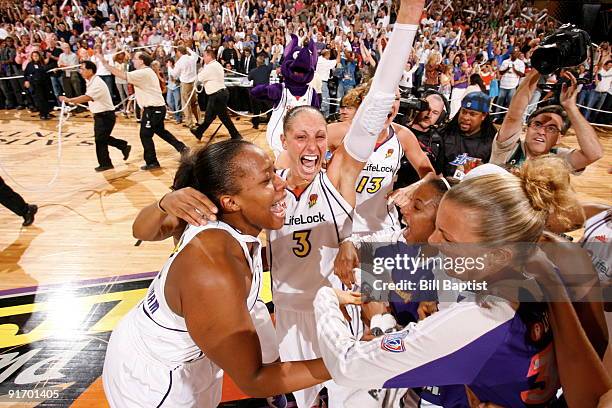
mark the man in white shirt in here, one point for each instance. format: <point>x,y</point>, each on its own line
<point>149,96</point>
<point>512,70</point>
<point>101,106</point>
<point>324,67</point>
<point>602,90</point>
<point>185,71</point>
<point>217,95</point>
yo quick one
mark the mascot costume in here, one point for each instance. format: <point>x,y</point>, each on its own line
<point>298,69</point>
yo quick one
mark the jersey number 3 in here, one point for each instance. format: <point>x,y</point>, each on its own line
<point>303,244</point>
<point>543,377</point>
<point>375,184</point>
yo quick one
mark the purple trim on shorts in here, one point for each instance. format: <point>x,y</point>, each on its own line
<point>114,279</point>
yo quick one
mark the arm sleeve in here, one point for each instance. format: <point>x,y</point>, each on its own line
<point>372,113</point>
<point>419,355</point>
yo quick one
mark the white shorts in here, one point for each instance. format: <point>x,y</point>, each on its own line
<point>297,337</point>
<point>265,332</point>
<point>132,379</point>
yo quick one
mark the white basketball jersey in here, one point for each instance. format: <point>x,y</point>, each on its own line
<point>373,185</point>
<point>275,125</point>
<point>159,331</point>
<point>301,254</point>
<point>596,240</point>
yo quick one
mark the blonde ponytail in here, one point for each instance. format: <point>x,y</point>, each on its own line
<point>515,208</point>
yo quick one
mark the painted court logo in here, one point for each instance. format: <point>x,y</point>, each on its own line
<point>312,200</point>
<point>394,342</point>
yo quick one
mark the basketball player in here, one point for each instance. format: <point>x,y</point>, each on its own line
<point>194,323</point>
<point>149,97</point>
<point>487,338</point>
<point>100,103</point>
<point>375,183</point>
<point>320,205</point>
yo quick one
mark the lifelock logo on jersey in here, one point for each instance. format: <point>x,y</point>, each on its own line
<point>377,168</point>
<point>309,219</point>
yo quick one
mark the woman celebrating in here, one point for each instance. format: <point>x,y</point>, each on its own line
<point>497,212</point>
<point>194,323</point>
<point>320,205</point>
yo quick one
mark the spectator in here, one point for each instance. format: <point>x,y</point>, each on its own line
<point>71,80</point>
<point>345,72</point>
<point>603,90</point>
<point>52,55</point>
<point>36,81</point>
<point>119,62</point>
<point>260,76</point>
<point>247,61</point>
<point>476,85</point>
<point>185,70</point>
<point>324,67</point>
<point>460,83</point>
<point>230,55</point>
<point>173,96</point>
<point>103,73</point>
<point>511,70</point>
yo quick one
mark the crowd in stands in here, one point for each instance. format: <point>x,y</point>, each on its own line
<point>462,46</point>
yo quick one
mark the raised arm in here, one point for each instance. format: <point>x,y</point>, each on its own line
<point>590,149</point>
<point>113,70</point>
<point>211,298</point>
<point>513,122</point>
<point>372,114</point>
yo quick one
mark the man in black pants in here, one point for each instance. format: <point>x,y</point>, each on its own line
<point>101,106</point>
<point>259,76</point>
<point>14,202</point>
<point>217,95</point>
<point>149,97</point>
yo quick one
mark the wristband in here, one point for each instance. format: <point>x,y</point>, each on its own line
<point>353,239</point>
<point>385,323</point>
<point>159,207</point>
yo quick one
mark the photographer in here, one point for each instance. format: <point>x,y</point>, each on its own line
<point>544,128</point>
<point>425,128</point>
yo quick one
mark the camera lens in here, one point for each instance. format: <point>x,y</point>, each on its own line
<point>546,60</point>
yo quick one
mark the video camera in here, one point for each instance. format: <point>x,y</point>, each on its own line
<point>567,47</point>
<point>410,106</point>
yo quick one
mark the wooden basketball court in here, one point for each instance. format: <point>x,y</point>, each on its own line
<point>67,280</point>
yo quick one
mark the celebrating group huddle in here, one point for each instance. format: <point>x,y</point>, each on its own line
<point>202,315</point>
